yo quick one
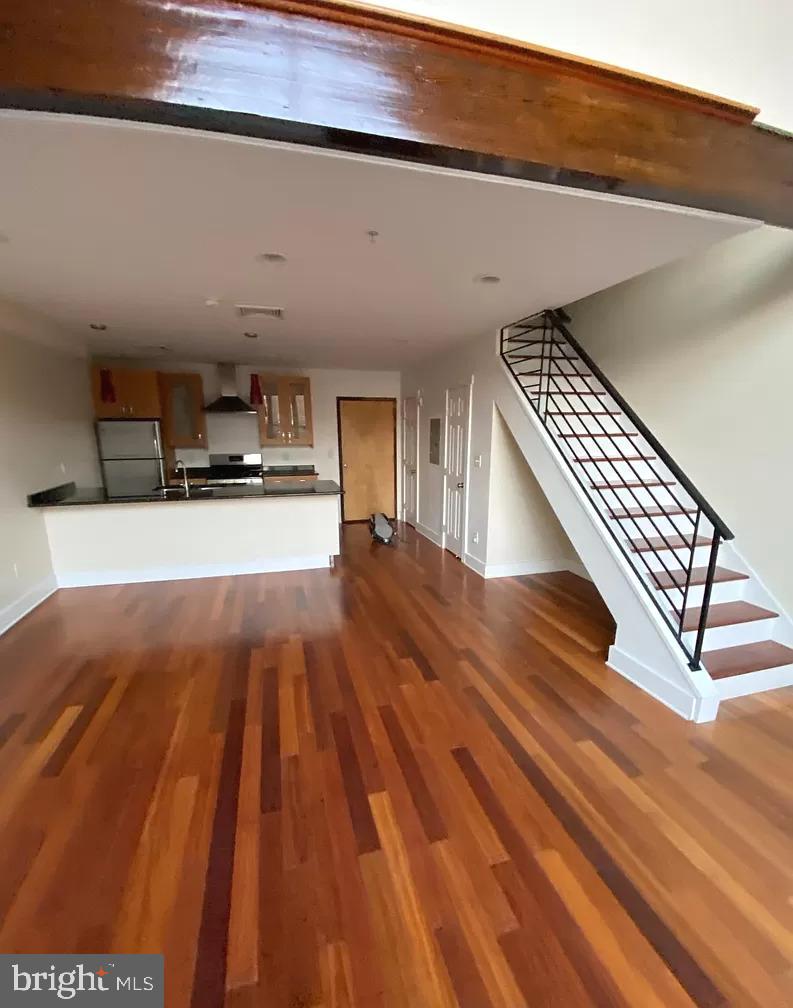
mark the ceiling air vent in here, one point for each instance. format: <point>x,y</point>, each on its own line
<point>246,310</point>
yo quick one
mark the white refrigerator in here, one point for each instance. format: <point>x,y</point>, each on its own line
<point>131,455</point>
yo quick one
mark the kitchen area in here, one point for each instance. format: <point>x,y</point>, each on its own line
<point>171,506</point>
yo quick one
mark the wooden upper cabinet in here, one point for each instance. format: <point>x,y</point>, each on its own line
<point>183,420</point>
<point>285,416</point>
<point>136,393</point>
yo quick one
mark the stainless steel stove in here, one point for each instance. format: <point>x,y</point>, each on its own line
<point>235,470</point>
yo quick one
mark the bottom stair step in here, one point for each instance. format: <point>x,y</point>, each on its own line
<point>746,658</point>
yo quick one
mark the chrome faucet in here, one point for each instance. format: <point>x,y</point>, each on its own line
<point>184,476</point>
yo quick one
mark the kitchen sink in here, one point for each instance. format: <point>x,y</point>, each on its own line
<point>179,491</point>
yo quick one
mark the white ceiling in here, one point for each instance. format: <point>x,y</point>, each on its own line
<point>137,226</point>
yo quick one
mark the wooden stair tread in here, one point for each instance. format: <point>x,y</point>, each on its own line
<point>732,661</point>
<point>627,484</point>
<point>699,575</point>
<point>614,458</point>
<point>727,614</point>
<point>537,357</point>
<point>649,544</point>
<point>649,512</point>
<point>553,412</point>
<point>575,392</point>
<point>558,374</point>
<point>584,434</point>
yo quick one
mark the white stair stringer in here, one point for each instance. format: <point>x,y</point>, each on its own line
<point>645,649</point>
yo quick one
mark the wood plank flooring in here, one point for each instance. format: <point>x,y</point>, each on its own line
<point>389,785</point>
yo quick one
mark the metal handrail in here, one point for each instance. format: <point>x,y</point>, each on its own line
<point>539,331</point>
<point>710,513</point>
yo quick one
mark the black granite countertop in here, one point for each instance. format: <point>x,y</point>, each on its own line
<point>68,495</point>
<point>217,471</point>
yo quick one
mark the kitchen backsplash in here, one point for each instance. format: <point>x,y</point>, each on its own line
<point>239,432</point>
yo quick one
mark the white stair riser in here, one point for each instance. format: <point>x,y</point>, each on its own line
<point>567,399</point>
<point>754,682</point>
<point>733,635</point>
<point>632,528</point>
<point>608,471</point>
<point>602,451</point>
<point>600,448</point>
<point>723,591</point>
<point>587,424</point>
<point>665,559</point>
<point>637,496</point>
<point>532,362</point>
<point>561,385</point>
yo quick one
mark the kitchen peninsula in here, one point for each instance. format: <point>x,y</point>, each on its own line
<point>168,535</point>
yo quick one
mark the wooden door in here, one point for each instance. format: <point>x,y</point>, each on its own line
<point>455,468</point>
<point>140,393</point>
<point>367,453</point>
<point>183,421</point>
<point>410,460</point>
<point>296,410</point>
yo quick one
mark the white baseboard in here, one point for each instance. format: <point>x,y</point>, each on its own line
<point>431,534</point>
<point>517,569</point>
<point>85,579</point>
<point>685,704</point>
<point>475,564</point>
<point>514,570</point>
<point>523,567</point>
<point>13,613</point>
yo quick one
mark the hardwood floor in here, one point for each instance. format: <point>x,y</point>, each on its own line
<point>391,784</point>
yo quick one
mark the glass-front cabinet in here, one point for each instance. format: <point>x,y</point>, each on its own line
<point>183,421</point>
<point>270,430</point>
<point>285,413</point>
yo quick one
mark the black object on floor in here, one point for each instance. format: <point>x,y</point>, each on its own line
<point>381,528</point>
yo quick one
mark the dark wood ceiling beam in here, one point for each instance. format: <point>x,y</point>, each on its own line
<point>338,75</point>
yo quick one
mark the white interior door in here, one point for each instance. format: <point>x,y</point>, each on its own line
<point>410,460</point>
<point>456,468</point>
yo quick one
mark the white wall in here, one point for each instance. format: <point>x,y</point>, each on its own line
<point>739,49</point>
<point>237,432</point>
<point>501,491</point>
<point>46,438</point>
<point>523,533</point>
<point>703,351</point>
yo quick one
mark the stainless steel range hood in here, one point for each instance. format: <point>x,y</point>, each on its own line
<point>228,401</point>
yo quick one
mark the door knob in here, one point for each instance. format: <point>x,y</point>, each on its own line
<point>460,486</point>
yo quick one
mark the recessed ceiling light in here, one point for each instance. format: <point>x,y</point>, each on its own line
<point>212,302</point>
<point>98,326</point>
<point>251,335</point>
<point>488,278</point>
<point>271,257</point>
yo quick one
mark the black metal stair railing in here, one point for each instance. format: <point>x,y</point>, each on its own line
<point>579,407</point>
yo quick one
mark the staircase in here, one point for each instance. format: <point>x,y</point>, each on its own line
<point>727,628</point>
